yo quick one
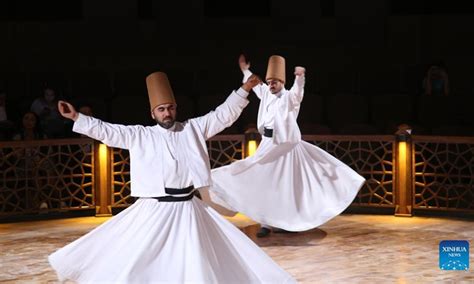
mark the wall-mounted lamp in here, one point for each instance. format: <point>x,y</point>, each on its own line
<point>252,137</point>
<point>403,157</point>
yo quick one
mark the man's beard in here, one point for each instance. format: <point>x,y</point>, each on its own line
<point>166,124</point>
<point>274,91</point>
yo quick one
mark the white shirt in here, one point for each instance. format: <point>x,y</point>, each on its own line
<point>161,157</point>
<point>175,173</point>
<point>270,110</point>
<point>281,112</point>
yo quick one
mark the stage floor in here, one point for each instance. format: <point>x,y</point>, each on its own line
<point>347,249</point>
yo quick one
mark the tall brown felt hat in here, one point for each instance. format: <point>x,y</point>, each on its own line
<point>159,89</point>
<point>276,68</point>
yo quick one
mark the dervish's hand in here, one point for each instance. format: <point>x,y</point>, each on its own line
<point>67,110</point>
<point>252,81</point>
<point>299,71</point>
<point>243,64</point>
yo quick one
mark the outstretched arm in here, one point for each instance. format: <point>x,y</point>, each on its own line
<point>228,112</point>
<point>297,91</point>
<point>113,135</point>
<point>259,89</point>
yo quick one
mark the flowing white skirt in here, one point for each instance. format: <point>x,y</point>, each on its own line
<point>166,242</point>
<point>295,187</point>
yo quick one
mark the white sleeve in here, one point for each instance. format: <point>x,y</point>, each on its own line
<point>113,135</point>
<point>259,89</point>
<point>224,115</point>
<point>243,93</point>
<point>297,91</point>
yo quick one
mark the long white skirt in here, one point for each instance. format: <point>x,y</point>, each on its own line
<point>295,187</point>
<point>166,242</point>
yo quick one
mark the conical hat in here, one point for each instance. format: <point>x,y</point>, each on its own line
<point>159,90</point>
<point>276,68</point>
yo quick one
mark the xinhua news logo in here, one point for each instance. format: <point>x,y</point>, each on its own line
<point>454,255</point>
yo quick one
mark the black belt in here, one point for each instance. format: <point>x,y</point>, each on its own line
<point>179,190</point>
<point>267,132</point>
<point>171,198</point>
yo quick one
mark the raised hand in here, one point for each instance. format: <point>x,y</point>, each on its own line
<point>252,81</point>
<point>299,71</point>
<point>243,64</point>
<point>67,110</point>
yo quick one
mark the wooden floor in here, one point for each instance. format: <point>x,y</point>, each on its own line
<point>347,249</point>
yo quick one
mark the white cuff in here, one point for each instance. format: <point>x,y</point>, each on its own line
<point>247,74</point>
<point>243,93</point>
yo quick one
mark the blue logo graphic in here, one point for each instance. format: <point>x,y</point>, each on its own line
<point>454,255</point>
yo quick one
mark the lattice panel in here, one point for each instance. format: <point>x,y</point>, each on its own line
<point>443,176</point>
<point>372,159</point>
<point>224,152</point>
<point>45,178</point>
<point>121,178</point>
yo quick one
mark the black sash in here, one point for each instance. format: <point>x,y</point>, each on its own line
<point>267,132</point>
<point>177,191</point>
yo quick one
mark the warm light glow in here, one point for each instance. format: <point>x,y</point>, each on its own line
<point>102,153</point>
<point>240,220</point>
<point>402,151</point>
<point>402,156</point>
<point>252,146</point>
<point>402,178</point>
<point>103,189</point>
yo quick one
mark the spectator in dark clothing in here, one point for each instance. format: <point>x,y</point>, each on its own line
<point>29,129</point>
<point>7,117</point>
<point>436,82</point>
<point>46,109</point>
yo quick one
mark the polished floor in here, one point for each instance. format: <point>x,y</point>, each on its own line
<point>347,249</point>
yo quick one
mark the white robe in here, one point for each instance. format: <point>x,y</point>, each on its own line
<point>145,144</point>
<point>288,183</point>
<point>166,242</point>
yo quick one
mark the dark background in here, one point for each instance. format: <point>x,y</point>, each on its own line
<point>365,60</point>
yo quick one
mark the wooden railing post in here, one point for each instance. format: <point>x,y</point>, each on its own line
<point>403,172</point>
<point>102,176</point>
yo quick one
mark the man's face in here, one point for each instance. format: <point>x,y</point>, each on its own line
<point>275,85</point>
<point>49,95</point>
<point>29,120</point>
<point>165,115</point>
